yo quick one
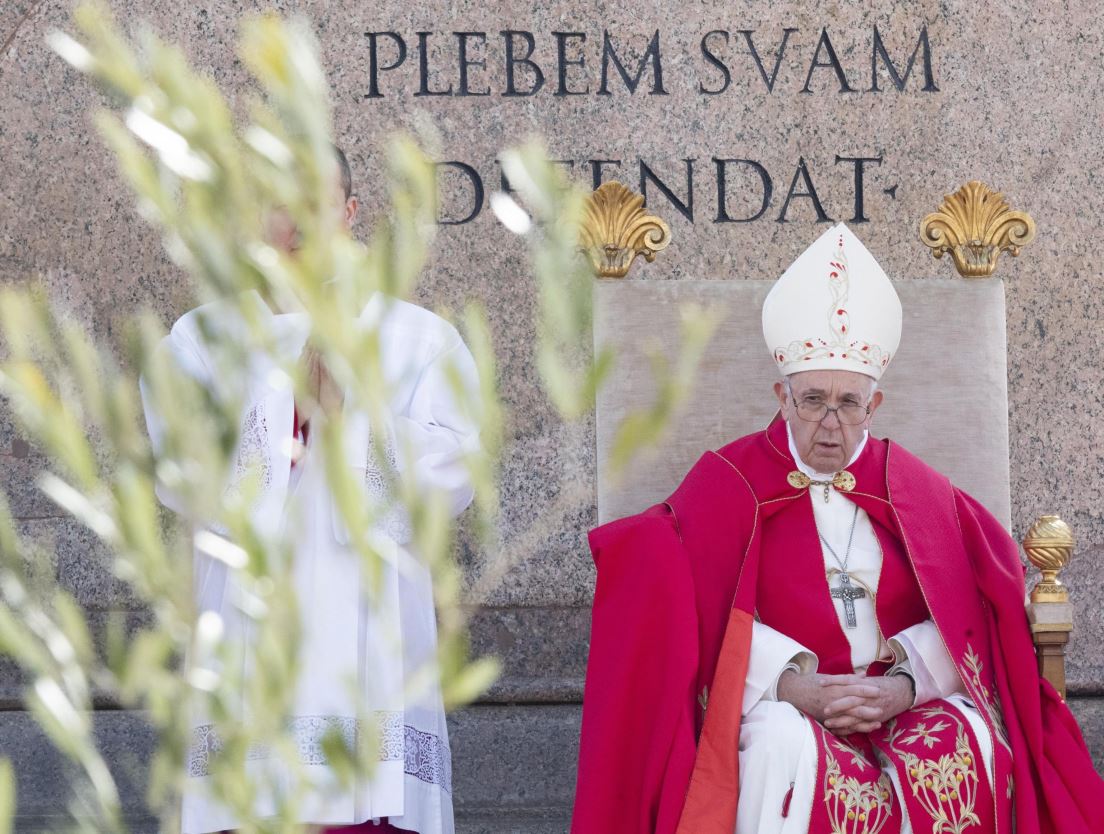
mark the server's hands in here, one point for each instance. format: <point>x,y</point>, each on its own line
<point>325,396</point>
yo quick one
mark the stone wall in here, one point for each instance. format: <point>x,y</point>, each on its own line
<point>746,140</point>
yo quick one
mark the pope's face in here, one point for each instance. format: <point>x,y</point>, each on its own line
<point>827,445</point>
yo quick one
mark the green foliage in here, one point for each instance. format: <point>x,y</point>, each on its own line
<point>208,184</point>
<point>571,369</point>
<point>674,381</point>
<point>7,797</point>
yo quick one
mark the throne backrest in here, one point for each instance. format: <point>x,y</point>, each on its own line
<point>946,392</point>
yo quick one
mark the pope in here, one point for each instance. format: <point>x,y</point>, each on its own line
<point>817,632</point>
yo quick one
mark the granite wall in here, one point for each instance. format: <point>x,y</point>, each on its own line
<point>750,125</point>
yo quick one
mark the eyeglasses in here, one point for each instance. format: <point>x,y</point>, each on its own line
<point>814,411</point>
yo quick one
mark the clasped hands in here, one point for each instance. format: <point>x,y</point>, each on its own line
<point>324,395</point>
<point>846,704</point>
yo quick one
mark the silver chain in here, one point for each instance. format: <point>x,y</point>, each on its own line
<point>850,538</point>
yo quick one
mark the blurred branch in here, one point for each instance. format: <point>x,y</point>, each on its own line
<point>7,797</point>
<point>211,187</point>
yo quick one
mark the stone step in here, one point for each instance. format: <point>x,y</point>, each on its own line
<point>513,766</point>
<point>548,822</point>
<point>542,649</point>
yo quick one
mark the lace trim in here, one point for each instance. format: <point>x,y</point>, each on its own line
<point>375,479</point>
<point>427,757</point>
<point>252,451</point>
<point>393,518</point>
<point>253,457</point>
<point>424,755</point>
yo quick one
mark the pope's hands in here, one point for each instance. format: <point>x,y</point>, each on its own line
<point>851,714</point>
<point>847,704</point>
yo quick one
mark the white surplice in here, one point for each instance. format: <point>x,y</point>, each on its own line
<point>777,746</point>
<point>362,643</point>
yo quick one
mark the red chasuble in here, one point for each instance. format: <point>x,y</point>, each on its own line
<point>680,585</point>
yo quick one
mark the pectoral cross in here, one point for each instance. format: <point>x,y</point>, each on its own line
<point>848,593</point>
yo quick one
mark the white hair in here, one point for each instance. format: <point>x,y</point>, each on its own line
<point>789,389</point>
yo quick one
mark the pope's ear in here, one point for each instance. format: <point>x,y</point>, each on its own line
<point>876,401</point>
<point>780,393</point>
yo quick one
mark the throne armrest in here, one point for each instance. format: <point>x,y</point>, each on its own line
<point>1049,546</point>
<point>965,226</point>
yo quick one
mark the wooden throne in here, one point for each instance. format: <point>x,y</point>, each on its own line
<point>954,325</point>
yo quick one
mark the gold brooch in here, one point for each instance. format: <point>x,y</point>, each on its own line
<point>844,481</point>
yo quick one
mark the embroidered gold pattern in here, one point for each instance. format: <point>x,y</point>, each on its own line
<point>989,701</point>
<point>946,787</point>
<point>855,807</point>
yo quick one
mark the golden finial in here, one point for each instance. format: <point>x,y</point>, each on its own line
<point>975,225</point>
<point>1049,546</point>
<point>616,229</point>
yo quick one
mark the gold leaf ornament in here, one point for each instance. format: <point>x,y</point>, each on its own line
<point>975,224</point>
<point>843,480</point>
<point>616,229</point>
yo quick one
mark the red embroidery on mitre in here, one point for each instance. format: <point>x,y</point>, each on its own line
<point>838,322</point>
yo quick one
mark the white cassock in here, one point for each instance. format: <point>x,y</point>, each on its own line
<point>357,658</point>
<point>777,747</point>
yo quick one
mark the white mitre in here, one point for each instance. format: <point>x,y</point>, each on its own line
<point>834,309</point>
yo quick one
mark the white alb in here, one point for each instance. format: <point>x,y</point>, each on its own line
<point>360,648</point>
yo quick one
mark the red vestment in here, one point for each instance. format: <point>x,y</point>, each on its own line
<point>678,588</point>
